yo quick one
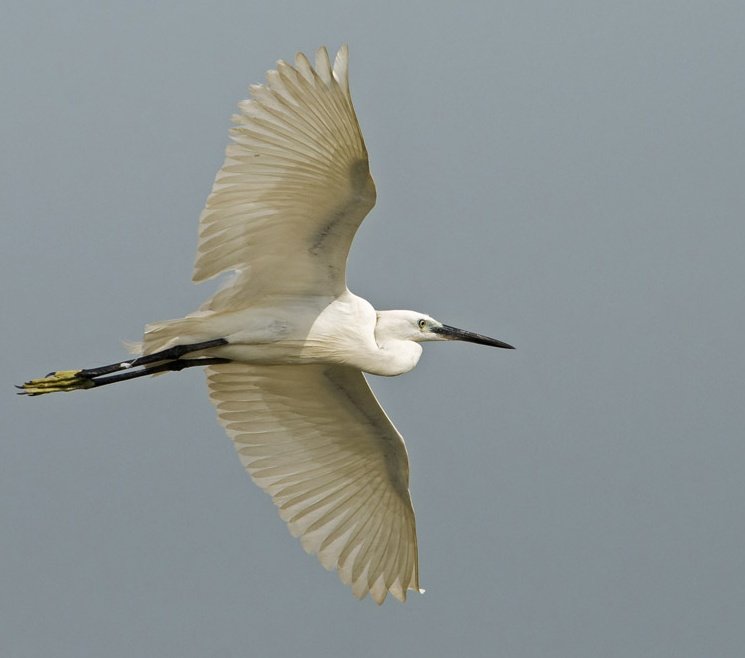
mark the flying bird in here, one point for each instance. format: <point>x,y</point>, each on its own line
<point>285,343</point>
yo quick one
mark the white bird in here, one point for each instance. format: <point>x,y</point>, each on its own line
<point>285,343</point>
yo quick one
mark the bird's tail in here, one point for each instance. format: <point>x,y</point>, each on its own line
<point>167,333</point>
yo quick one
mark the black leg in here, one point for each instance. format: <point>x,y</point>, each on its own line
<point>178,364</point>
<point>175,352</point>
<point>169,359</point>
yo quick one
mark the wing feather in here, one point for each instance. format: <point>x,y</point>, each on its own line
<point>315,438</point>
<point>293,189</point>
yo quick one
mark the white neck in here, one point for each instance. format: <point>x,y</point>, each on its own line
<point>393,357</point>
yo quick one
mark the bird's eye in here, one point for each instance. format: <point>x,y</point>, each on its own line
<point>422,323</point>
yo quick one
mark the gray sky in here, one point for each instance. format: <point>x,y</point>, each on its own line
<point>566,176</point>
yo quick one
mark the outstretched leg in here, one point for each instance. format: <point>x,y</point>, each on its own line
<point>170,354</point>
<point>168,359</point>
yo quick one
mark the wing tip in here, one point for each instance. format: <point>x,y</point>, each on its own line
<point>322,66</point>
<point>341,67</point>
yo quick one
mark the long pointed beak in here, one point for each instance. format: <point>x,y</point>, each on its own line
<point>453,333</point>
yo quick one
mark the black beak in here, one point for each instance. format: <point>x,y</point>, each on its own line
<point>452,333</point>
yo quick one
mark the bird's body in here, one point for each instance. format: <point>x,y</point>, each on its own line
<point>293,330</point>
<point>285,343</point>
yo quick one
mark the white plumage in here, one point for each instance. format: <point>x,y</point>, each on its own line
<point>316,440</point>
<point>285,342</point>
<point>294,187</point>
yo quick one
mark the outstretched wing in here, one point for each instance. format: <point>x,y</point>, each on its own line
<point>315,438</point>
<point>294,187</point>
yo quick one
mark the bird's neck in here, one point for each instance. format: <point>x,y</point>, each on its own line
<point>394,357</point>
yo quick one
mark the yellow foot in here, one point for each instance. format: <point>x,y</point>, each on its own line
<point>61,380</point>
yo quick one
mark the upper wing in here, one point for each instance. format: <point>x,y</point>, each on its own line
<point>315,438</point>
<point>294,187</point>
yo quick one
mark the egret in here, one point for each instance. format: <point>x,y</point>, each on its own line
<point>285,343</point>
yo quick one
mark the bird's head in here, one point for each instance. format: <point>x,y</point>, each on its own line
<point>419,327</point>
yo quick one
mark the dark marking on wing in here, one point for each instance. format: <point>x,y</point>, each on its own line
<point>327,229</point>
<point>353,211</point>
<point>344,380</point>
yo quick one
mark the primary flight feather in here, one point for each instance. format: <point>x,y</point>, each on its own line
<point>285,343</point>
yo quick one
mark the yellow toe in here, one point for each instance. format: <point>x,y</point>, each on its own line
<point>61,380</point>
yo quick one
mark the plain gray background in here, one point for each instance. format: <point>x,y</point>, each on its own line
<point>566,176</point>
